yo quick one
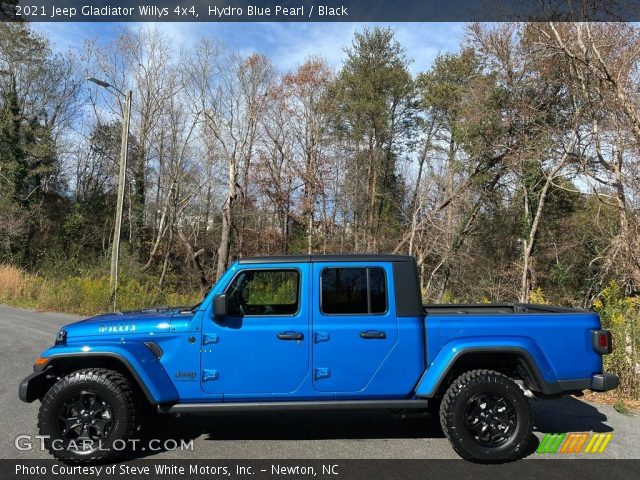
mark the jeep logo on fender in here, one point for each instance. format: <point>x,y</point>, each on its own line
<point>185,376</point>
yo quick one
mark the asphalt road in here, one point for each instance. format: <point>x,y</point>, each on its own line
<point>358,435</point>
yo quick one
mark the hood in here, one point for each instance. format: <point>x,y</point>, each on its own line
<point>148,321</point>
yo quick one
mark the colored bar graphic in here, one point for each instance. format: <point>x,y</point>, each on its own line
<point>557,443</point>
<point>606,442</point>
<point>596,445</point>
<point>569,443</point>
<point>591,442</point>
<point>598,442</point>
<point>583,439</point>
<point>550,443</point>
<point>543,444</point>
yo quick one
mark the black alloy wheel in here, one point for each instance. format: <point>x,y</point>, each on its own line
<point>87,420</point>
<point>491,419</point>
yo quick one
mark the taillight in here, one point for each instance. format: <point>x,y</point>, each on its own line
<point>601,341</point>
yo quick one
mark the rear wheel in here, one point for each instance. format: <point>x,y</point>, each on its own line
<point>486,417</point>
<point>88,415</point>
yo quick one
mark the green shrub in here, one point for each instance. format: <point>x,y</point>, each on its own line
<point>537,296</point>
<point>621,315</point>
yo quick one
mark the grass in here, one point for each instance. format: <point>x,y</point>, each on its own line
<point>621,407</point>
<point>620,402</point>
<point>85,295</point>
<point>18,287</point>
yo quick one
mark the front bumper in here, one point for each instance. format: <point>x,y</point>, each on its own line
<point>34,386</point>
<point>604,382</point>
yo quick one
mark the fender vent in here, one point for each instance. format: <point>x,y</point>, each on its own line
<point>155,348</point>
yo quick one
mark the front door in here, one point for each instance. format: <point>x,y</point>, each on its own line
<point>354,325</point>
<point>261,347</point>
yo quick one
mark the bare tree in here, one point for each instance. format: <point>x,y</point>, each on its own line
<point>230,93</point>
<point>306,103</point>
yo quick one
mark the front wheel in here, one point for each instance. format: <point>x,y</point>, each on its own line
<point>88,415</point>
<point>486,417</point>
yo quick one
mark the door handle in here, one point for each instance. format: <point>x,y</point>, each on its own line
<point>290,336</point>
<point>373,334</point>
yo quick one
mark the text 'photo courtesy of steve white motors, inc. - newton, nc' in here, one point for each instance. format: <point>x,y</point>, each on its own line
<point>211,11</point>
<point>228,470</point>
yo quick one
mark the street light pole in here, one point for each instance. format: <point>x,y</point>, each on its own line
<point>122,175</point>
<point>115,247</point>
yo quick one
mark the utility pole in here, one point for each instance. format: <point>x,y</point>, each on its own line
<point>122,175</point>
<point>115,247</point>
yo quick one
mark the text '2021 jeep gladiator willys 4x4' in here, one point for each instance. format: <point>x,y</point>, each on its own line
<point>317,332</point>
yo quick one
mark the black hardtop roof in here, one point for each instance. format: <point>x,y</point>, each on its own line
<point>351,257</point>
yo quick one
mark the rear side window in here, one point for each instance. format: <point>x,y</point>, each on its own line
<point>353,291</point>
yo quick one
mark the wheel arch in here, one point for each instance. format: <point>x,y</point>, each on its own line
<point>513,361</point>
<point>134,359</point>
<point>64,364</point>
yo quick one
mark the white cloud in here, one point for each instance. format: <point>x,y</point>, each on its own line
<point>287,44</point>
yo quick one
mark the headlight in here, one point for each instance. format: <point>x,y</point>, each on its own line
<point>61,337</point>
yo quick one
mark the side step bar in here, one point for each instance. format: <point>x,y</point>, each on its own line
<point>287,406</point>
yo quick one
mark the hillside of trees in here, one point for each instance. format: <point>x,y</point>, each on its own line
<point>510,169</point>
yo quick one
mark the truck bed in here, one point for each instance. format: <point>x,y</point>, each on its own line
<point>494,308</point>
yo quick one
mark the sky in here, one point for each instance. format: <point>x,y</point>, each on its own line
<point>287,44</point>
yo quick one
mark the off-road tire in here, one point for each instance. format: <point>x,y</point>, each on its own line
<point>454,410</point>
<point>107,384</point>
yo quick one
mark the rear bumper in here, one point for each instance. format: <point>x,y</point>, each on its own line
<point>604,382</point>
<point>600,382</point>
<point>34,386</point>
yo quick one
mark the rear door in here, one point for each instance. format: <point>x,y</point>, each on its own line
<point>354,324</point>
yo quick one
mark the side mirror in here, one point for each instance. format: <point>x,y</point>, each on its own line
<point>220,306</point>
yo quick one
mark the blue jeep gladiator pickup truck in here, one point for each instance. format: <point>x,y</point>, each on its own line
<point>316,332</point>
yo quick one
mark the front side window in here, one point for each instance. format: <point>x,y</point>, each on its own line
<point>353,291</point>
<point>263,292</point>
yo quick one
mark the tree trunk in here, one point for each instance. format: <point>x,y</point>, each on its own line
<point>227,222</point>
<point>194,257</point>
<point>529,242</point>
<point>138,203</point>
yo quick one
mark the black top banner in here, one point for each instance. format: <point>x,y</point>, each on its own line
<point>318,10</point>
